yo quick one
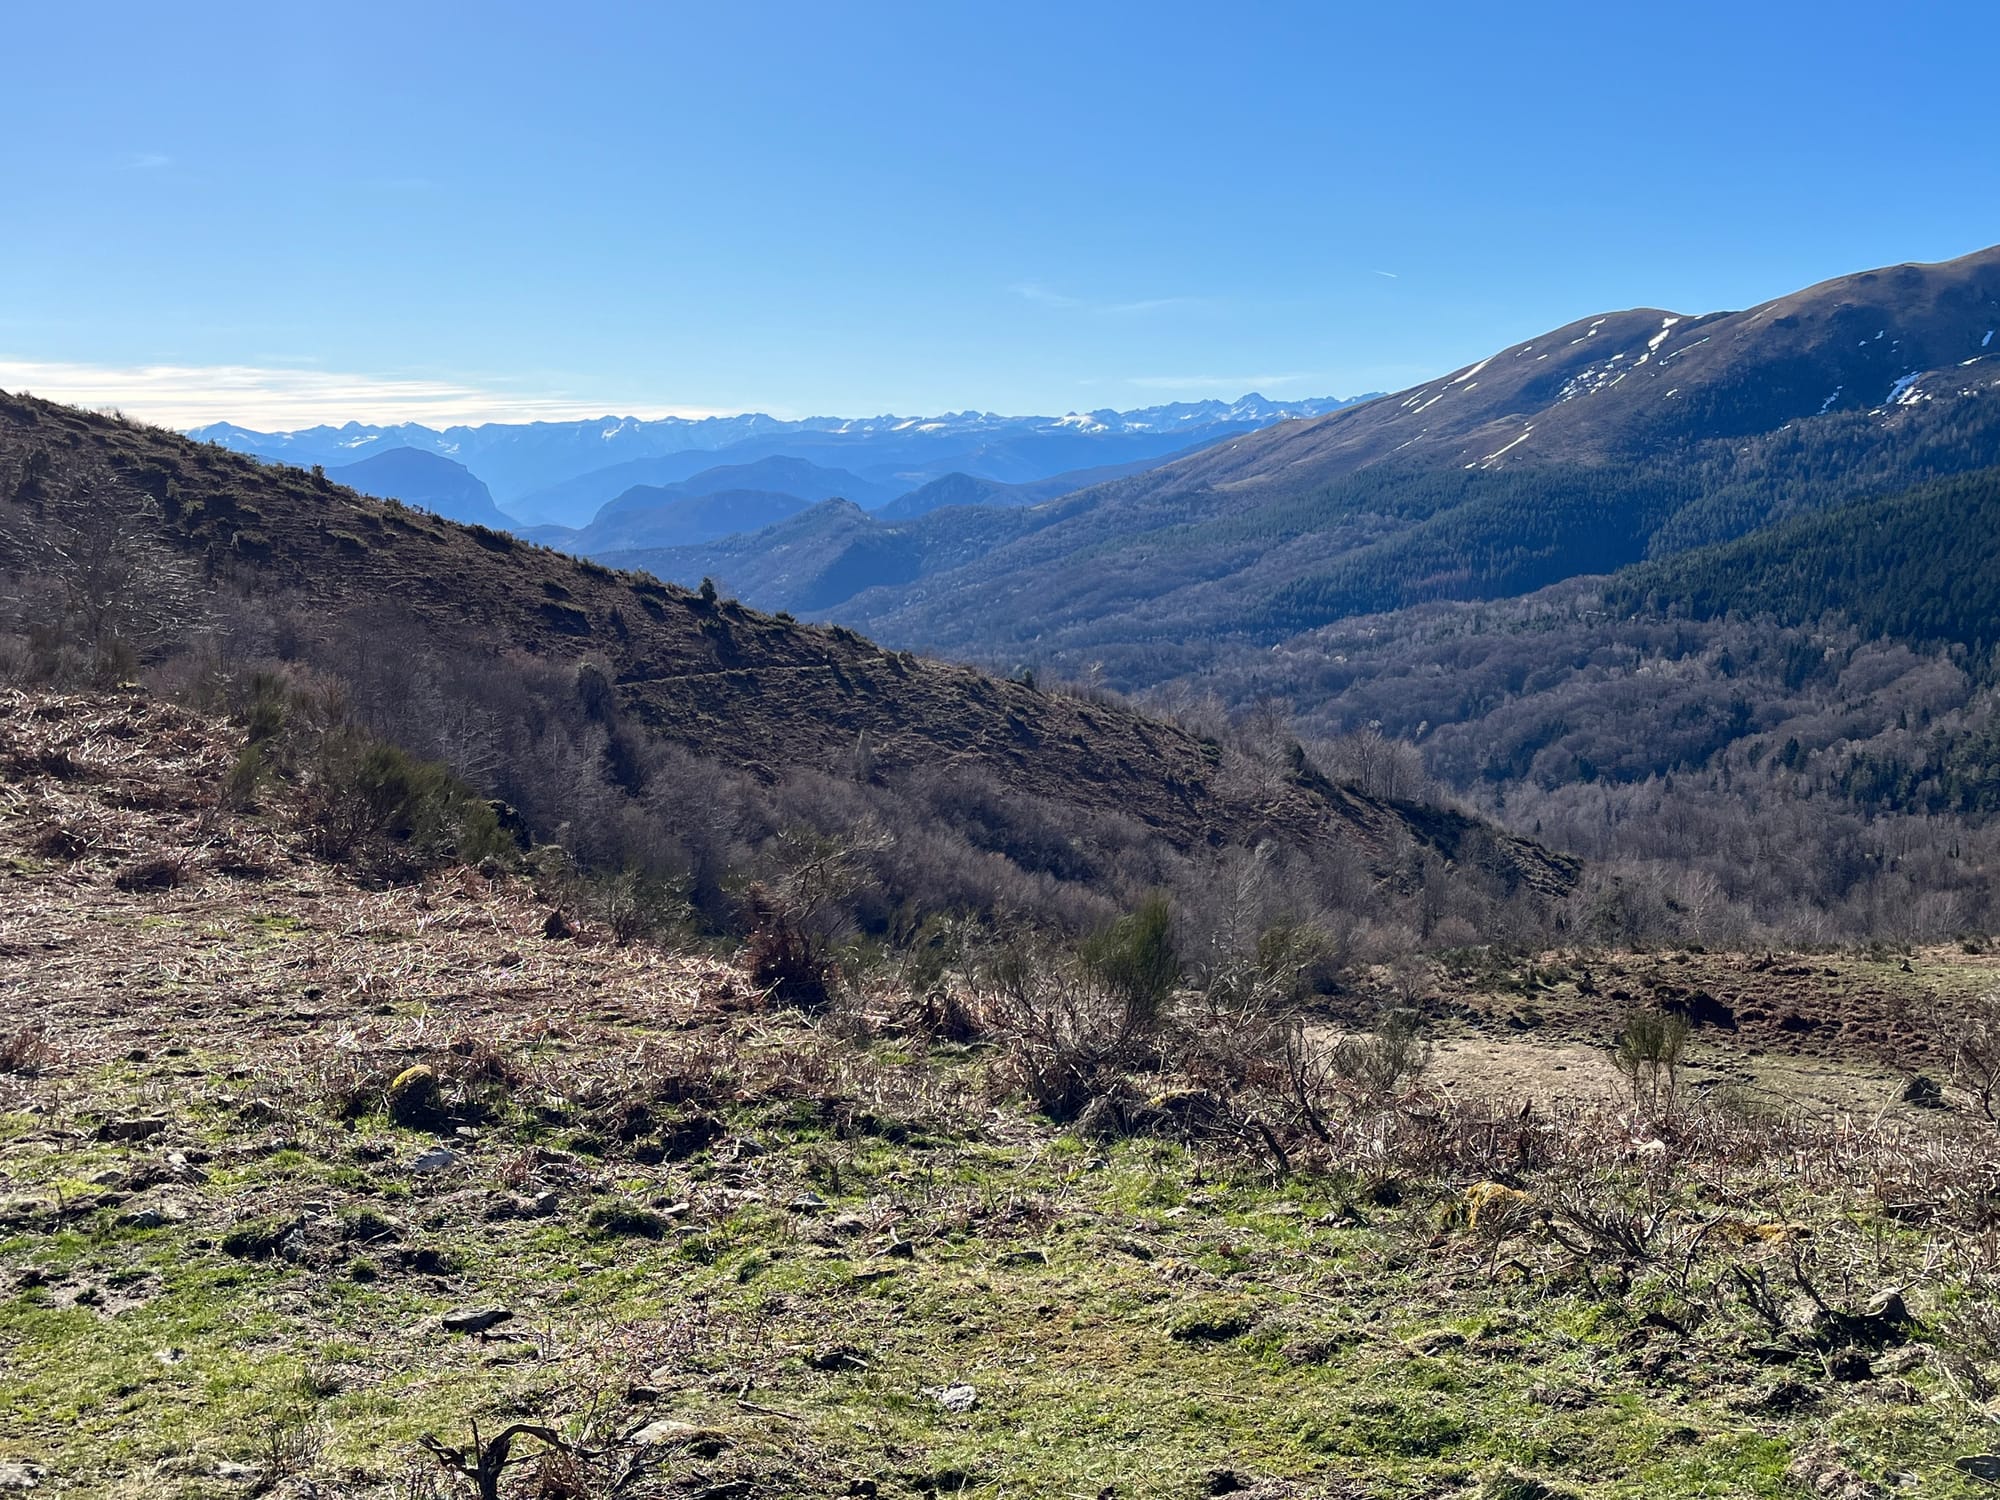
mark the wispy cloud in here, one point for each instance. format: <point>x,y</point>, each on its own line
<point>1390,274</point>
<point>1044,296</point>
<point>1236,383</point>
<point>280,399</point>
<point>146,161</point>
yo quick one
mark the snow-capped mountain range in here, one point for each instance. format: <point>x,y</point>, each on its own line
<point>563,471</point>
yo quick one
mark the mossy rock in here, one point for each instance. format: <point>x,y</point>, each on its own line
<point>1213,1320</point>
<point>628,1219</point>
<point>416,1098</point>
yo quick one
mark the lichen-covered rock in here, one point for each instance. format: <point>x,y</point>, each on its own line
<point>416,1098</point>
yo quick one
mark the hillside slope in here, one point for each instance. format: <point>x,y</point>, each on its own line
<point>1620,385</point>
<point>722,682</point>
<point>816,560</point>
<point>1593,446</point>
<point>1913,566</point>
<point>717,502</point>
<point>724,1250</point>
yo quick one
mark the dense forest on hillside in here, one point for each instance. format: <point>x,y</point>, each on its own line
<point>1906,565</point>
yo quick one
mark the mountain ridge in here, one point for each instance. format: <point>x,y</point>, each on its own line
<point>424,479</point>
<point>705,675</point>
<point>542,471</point>
<point>1649,431</point>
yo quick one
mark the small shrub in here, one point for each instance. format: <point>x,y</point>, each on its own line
<point>1975,1058</point>
<point>786,959</point>
<point>25,1051</point>
<point>246,774</point>
<point>1065,1041</point>
<point>1648,1053</point>
<point>1386,1061</point>
<point>376,803</point>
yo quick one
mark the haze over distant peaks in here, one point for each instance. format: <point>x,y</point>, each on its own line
<point>562,472</point>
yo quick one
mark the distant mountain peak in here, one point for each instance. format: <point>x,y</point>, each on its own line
<point>543,471</point>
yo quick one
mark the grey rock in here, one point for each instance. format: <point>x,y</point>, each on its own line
<point>436,1159</point>
<point>954,1398</point>
<point>701,1442</point>
<point>21,1476</point>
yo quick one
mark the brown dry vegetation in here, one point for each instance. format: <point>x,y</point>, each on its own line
<point>769,695</point>
<point>842,1254</point>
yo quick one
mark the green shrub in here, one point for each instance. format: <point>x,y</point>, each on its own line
<point>1649,1052</point>
<point>1134,958</point>
<point>370,799</point>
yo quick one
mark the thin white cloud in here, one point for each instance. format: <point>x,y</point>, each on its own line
<point>1390,274</point>
<point>282,399</point>
<point>1034,291</point>
<point>147,161</point>
<point>1237,383</point>
<point>1045,296</point>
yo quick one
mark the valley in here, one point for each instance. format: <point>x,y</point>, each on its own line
<point>1375,976</point>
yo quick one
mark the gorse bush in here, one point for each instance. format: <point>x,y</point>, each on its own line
<point>1648,1052</point>
<point>362,799</point>
<point>1387,1061</point>
<point>367,798</point>
<point>1134,959</point>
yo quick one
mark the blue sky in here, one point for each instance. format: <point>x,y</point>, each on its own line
<point>294,212</point>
